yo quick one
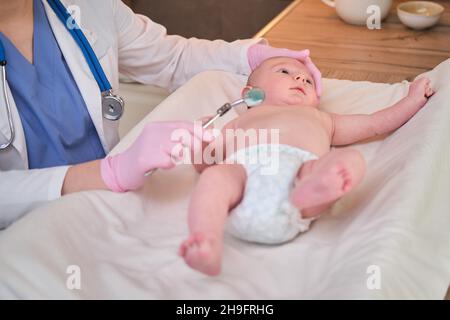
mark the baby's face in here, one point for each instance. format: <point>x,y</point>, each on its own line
<point>286,81</point>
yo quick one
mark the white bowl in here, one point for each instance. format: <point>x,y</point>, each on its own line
<point>419,14</point>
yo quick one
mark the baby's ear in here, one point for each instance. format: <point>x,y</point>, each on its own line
<point>245,90</point>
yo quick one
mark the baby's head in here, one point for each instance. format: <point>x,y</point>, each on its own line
<point>286,81</point>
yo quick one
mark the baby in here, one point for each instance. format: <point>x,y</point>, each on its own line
<point>275,208</point>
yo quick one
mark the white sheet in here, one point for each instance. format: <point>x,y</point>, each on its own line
<point>126,244</point>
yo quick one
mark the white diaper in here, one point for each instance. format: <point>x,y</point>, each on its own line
<point>265,214</point>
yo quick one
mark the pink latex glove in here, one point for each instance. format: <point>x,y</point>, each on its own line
<point>151,150</point>
<point>257,53</point>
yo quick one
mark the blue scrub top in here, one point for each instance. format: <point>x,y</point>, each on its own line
<point>58,128</point>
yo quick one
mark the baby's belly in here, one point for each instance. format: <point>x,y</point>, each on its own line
<point>307,133</point>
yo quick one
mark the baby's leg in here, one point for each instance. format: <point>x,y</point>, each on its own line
<point>321,182</point>
<point>219,189</point>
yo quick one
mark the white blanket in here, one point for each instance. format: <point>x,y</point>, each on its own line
<point>388,239</point>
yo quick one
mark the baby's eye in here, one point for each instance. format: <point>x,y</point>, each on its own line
<point>286,71</point>
<point>308,81</point>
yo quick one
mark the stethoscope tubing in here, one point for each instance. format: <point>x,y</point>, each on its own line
<point>83,44</point>
<point>8,110</point>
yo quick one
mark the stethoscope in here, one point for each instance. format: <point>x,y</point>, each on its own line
<point>252,98</point>
<point>112,105</point>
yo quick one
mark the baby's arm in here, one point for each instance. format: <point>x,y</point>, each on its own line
<point>212,147</point>
<point>347,129</point>
<point>197,155</point>
<point>200,167</point>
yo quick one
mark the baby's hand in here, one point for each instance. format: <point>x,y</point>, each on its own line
<point>420,91</point>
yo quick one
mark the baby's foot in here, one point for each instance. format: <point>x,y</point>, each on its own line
<point>202,253</point>
<point>326,185</point>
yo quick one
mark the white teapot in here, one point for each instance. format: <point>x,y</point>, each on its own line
<point>356,11</point>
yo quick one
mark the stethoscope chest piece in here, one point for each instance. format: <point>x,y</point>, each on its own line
<point>112,106</point>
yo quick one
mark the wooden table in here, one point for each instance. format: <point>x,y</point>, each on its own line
<point>343,51</point>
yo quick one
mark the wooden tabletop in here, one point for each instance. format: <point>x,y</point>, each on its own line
<point>343,51</point>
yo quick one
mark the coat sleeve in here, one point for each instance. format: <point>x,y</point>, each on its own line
<point>24,190</point>
<point>148,55</point>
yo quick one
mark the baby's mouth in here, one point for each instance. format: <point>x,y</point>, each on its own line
<point>300,89</point>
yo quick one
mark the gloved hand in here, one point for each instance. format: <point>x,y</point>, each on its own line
<point>154,148</point>
<point>257,53</point>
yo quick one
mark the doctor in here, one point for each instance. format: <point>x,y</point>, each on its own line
<point>58,111</point>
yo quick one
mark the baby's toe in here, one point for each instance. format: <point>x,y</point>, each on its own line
<point>198,238</point>
<point>182,249</point>
<point>189,242</point>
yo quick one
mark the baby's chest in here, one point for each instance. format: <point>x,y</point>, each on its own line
<point>286,121</point>
<point>302,129</point>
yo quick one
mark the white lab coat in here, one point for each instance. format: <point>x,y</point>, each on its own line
<point>123,42</point>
